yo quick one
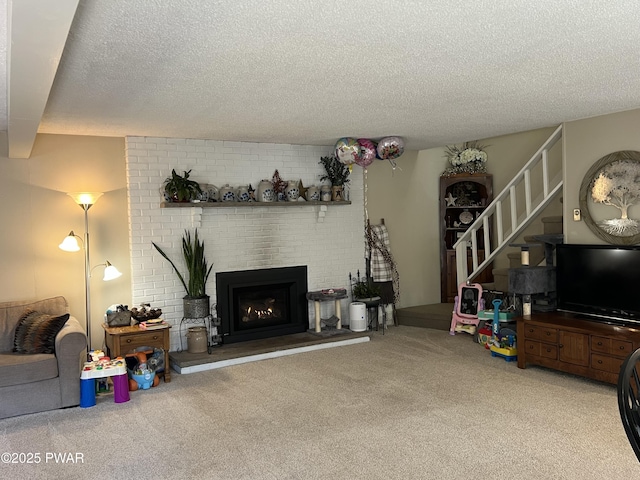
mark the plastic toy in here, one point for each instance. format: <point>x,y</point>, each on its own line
<point>102,368</point>
<point>467,304</point>
<point>503,347</point>
<point>142,376</point>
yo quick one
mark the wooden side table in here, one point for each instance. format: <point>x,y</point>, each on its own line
<point>122,340</point>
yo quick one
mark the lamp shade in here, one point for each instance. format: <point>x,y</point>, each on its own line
<point>110,272</point>
<point>85,198</point>
<point>70,243</point>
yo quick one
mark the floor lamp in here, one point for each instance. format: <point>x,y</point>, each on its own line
<point>70,244</point>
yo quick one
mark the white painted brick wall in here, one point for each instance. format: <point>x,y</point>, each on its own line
<point>236,238</point>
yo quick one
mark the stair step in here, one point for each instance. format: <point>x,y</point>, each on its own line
<point>436,316</point>
<point>552,224</point>
<point>501,279</point>
<point>551,238</point>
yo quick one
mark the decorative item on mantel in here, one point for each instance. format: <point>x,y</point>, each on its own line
<point>279,186</point>
<point>265,191</point>
<point>313,193</point>
<point>179,188</point>
<point>292,192</point>
<point>337,173</point>
<point>466,159</point>
<point>242,194</point>
<point>302,191</point>
<point>325,193</point>
<point>227,193</point>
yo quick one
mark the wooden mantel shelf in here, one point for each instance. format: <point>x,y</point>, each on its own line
<point>248,204</point>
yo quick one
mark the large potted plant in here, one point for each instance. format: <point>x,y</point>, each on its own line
<point>179,188</point>
<point>337,173</point>
<point>196,302</point>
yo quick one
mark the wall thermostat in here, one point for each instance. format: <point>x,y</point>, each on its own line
<point>576,214</point>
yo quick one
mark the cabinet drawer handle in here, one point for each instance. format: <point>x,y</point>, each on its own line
<point>560,345</point>
<point>600,362</point>
<point>548,334</point>
<point>621,347</point>
<point>155,337</point>
<point>530,347</point>
<point>128,340</point>
<point>531,330</point>
<point>548,350</point>
<point>600,344</point>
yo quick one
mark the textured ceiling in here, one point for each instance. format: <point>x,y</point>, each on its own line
<point>309,72</point>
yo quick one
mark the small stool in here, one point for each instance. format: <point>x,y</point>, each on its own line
<point>324,296</point>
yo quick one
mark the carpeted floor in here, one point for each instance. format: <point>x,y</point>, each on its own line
<point>415,403</point>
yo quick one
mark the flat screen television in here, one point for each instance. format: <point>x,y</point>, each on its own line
<point>599,281</point>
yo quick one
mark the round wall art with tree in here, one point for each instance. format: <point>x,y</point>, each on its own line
<point>612,186</point>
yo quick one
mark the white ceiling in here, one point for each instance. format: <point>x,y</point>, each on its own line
<point>434,72</point>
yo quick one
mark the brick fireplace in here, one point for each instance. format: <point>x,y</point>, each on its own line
<point>328,241</point>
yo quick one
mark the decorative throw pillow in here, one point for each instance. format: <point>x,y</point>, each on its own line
<point>36,332</point>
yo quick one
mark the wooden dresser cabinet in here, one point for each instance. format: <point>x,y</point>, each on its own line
<point>575,345</point>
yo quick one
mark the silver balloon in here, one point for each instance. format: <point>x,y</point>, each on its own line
<point>390,148</point>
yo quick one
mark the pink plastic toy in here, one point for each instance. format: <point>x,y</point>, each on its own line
<point>467,304</point>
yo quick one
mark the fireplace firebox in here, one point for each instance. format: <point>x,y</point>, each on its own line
<point>255,304</point>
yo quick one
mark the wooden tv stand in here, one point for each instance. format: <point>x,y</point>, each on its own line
<point>571,344</point>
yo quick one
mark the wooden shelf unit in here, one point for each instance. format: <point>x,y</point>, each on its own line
<point>567,343</point>
<point>473,193</point>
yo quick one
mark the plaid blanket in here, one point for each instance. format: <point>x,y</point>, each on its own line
<point>377,250</point>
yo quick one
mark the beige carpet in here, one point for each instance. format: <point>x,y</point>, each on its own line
<point>413,404</point>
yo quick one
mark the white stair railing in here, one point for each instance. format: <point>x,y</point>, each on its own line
<point>493,218</point>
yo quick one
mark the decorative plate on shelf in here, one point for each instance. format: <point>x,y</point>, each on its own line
<point>466,217</point>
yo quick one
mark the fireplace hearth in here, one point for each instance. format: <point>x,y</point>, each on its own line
<point>255,304</point>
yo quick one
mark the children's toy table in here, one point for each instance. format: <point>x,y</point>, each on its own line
<point>117,369</point>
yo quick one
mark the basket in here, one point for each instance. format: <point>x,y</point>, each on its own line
<point>118,319</point>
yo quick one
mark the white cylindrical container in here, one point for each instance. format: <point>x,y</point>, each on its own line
<point>357,317</point>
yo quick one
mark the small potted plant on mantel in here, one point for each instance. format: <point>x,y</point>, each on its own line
<point>337,173</point>
<point>179,188</point>
<point>196,302</point>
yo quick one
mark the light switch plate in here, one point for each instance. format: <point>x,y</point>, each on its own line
<point>576,214</point>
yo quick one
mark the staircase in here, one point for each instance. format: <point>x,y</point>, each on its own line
<point>513,209</point>
<point>540,250</point>
<point>534,187</point>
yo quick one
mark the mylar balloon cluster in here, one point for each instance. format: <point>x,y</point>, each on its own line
<point>364,151</point>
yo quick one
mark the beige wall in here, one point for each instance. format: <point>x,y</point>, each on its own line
<point>586,141</point>
<point>408,200</point>
<point>37,214</point>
